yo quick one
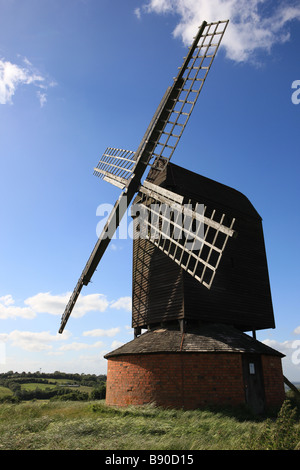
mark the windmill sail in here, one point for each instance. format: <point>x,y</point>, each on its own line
<point>191,235</point>
<point>116,166</point>
<point>193,73</point>
<point>158,144</point>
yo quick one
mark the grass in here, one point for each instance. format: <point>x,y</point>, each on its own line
<point>60,383</point>
<point>33,386</point>
<point>4,392</point>
<point>53,425</point>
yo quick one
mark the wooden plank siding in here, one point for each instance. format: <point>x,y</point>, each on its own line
<point>240,293</point>
<point>157,286</point>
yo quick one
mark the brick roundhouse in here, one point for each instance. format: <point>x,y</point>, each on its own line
<point>212,365</point>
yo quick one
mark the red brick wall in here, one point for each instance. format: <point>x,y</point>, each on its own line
<point>179,380</point>
<point>273,381</point>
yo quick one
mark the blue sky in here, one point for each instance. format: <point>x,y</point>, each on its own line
<point>77,76</point>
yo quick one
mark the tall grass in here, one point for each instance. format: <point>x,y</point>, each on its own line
<point>93,425</point>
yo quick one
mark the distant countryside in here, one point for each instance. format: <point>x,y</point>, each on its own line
<point>61,411</point>
<point>15,386</point>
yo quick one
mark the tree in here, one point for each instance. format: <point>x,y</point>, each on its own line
<point>99,393</point>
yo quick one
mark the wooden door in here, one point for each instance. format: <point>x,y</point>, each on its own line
<point>253,383</point>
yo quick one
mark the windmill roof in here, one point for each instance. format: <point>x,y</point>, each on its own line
<point>206,339</point>
<point>193,185</point>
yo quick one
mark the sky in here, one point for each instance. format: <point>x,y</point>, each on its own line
<point>78,76</point>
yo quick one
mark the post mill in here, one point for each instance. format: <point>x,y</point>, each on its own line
<point>200,274</point>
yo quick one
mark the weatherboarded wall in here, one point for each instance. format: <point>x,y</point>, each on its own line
<point>240,293</point>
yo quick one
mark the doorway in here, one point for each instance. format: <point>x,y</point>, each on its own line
<point>253,383</point>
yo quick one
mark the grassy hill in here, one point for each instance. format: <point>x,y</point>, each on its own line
<point>91,425</point>
<point>67,413</point>
<point>27,386</point>
<point>5,392</point>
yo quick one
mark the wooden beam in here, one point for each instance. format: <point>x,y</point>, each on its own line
<point>122,182</point>
<point>174,197</point>
<point>291,386</point>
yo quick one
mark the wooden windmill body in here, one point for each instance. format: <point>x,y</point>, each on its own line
<point>200,275</point>
<point>239,293</point>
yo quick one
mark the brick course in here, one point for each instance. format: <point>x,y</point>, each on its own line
<point>186,380</point>
<point>273,380</point>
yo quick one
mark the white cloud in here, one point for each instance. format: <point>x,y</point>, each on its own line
<point>80,346</point>
<point>13,76</point>
<point>98,332</point>
<point>283,347</point>
<point>42,98</point>
<point>297,330</point>
<point>122,303</point>
<point>92,302</point>
<point>116,344</point>
<point>8,310</point>
<point>33,341</point>
<point>7,300</point>
<point>45,302</point>
<point>137,13</point>
<point>291,361</point>
<point>254,24</point>
<point>55,353</point>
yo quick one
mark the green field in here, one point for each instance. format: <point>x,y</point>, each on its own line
<point>93,425</point>
<point>4,392</point>
<point>62,383</point>
<point>26,386</point>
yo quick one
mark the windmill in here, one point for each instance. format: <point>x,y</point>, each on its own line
<point>200,277</point>
<point>125,169</point>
